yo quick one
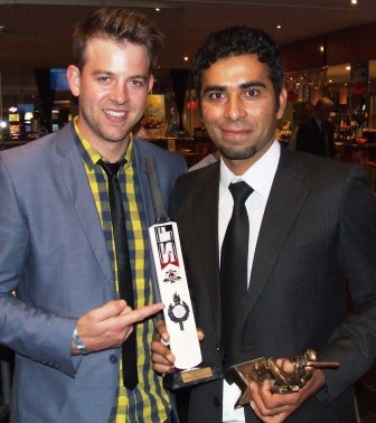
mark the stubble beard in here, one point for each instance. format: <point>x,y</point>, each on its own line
<point>243,154</point>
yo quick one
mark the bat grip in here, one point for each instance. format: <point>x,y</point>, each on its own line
<point>155,190</point>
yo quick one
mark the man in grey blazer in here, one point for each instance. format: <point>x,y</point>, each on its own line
<point>58,276</point>
<point>311,250</point>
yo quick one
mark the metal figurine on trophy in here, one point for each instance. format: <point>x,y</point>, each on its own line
<point>174,293</point>
<point>282,382</point>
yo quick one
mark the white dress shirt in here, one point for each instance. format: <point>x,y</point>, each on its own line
<point>260,177</point>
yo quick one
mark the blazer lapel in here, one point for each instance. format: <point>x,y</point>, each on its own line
<point>69,163</point>
<point>142,173</point>
<point>288,189</point>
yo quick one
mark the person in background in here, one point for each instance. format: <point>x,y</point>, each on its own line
<point>68,321</point>
<point>316,136</point>
<point>311,246</point>
<point>309,113</point>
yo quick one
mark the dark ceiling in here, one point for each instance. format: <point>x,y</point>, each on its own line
<point>37,34</point>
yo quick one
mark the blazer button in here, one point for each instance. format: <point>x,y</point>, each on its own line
<point>113,359</point>
<point>216,401</point>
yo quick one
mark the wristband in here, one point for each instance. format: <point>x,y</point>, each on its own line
<point>79,344</point>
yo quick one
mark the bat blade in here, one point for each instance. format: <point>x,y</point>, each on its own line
<point>174,293</point>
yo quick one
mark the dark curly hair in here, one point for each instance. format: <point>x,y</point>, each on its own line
<point>237,41</point>
<point>117,24</point>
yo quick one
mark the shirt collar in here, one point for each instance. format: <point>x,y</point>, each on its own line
<point>259,176</point>
<point>319,122</point>
<point>91,156</point>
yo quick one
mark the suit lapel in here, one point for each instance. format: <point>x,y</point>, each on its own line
<point>69,163</point>
<point>206,223</point>
<point>317,127</point>
<point>290,191</point>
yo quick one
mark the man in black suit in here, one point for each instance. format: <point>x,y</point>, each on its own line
<point>311,245</point>
<point>316,136</point>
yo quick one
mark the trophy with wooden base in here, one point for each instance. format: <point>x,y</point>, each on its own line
<point>174,293</point>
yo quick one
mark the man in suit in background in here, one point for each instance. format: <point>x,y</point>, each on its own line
<point>309,113</point>
<point>312,222</point>
<point>66,322</point>
<point>316,135</point>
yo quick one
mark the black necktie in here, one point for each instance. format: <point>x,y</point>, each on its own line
<point>129,353</point>
<point>233,273</point>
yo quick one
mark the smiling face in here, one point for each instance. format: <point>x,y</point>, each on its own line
<point>112,89</point>
<point>239,109</point>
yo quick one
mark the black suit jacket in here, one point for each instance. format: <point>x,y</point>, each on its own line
<point>311,140</point>
<point>319,225</point>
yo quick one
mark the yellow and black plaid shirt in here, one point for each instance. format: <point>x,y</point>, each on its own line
<point>148,402</point>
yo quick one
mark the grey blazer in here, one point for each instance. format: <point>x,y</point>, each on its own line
<point>53,253</point>
<point>319,225</point>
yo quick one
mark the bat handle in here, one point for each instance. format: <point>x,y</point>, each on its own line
<point>155,190</point>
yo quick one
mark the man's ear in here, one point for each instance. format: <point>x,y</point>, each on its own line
<point>74,79</point>
<point>282,103</point>
<point>151,83</point>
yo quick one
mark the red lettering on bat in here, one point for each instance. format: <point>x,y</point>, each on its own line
<point>166,245</point>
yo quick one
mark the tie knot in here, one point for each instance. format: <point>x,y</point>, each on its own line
<point>111,168</point>
<point>240,191</point>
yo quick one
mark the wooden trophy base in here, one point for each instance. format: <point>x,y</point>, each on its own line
<point>190,377</point>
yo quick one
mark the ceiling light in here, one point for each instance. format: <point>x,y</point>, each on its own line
<point>279,26</point>
<point>157,9</point>
<point>354,1</point>
<point>186,58</point>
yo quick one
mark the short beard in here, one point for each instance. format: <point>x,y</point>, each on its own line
<point>243,154</point>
